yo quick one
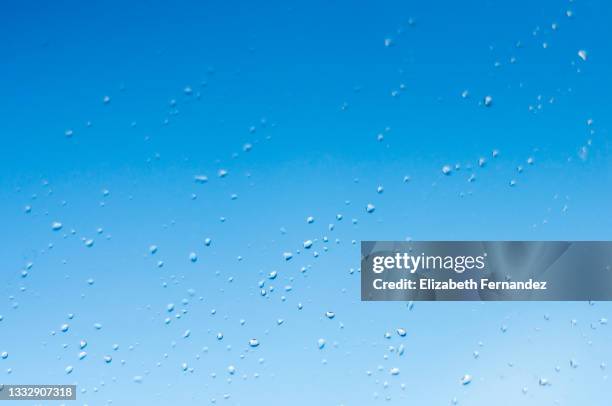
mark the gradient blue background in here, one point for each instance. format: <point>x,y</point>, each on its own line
<point>315,82</point>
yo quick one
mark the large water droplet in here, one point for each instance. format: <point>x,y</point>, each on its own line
<point>253,342</point>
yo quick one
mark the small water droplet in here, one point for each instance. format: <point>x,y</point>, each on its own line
<point>466,379</point>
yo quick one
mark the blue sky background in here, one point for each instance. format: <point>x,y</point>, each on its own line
<point>310,85</point>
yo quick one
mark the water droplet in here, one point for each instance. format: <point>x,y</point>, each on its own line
<point>69,369</point>
<point>446,169</point>
<point>466,379</point>
<point>307,244</point>
<point>200,178</point>
<point>488,101</point>
<point>193,257</point>
<point>64,327</point>
<point>56,226</point>
<point>4,355</point>
<point>330,315</point>
<point>370,208</point>
<point>394,371</point>
<point>583,54</point>
<point>401,332</point>
<point>253,342</point>
<point>321,343</point>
